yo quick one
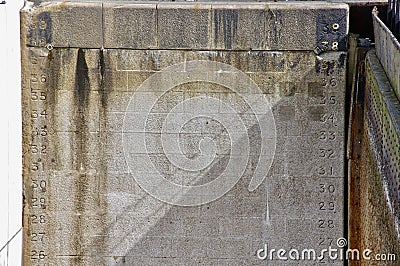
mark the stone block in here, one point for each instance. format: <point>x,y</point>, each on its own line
<point>130,26</point>
<point>183,26</point>
<point>275,26</point>
<point>65,25</point>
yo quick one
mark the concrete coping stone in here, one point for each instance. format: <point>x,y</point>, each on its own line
<point>316,26</point>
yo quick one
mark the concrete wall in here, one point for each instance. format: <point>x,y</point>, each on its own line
<point>382,117</point>
<point>377,168</point>
<point>374,149</point>
<point>250,98</point>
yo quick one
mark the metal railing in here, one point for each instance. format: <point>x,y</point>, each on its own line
<point>393,17</point>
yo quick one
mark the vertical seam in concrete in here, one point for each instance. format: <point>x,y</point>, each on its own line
<point>102,25</point>
<point>210,30</point>
<point>156,27</point>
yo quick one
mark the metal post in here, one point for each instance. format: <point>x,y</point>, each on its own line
<point>393,17</point>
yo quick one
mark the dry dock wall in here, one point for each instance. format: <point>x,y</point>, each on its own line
<point>374,149</point>
<point>182,134</point>
<point>379,165</point>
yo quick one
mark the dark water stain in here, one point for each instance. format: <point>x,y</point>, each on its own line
<point>104,90</point>
<point>55,67</point>
<point>58,61</point>
<point>82,84</point>
<point>342,60</point>
<point>40,32</point>
<point>102,176</point>
<point>229,21</point>
<point>275,26</point>
<point>82,87</point>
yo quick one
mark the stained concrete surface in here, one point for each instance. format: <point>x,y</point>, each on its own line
<point>82,204</point>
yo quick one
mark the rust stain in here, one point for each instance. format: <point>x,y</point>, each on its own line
<point>355,151</point>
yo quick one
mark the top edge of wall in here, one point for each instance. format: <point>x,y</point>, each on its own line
<point>214,1</point>
<point>316,26</point>
<point>388,52</point>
